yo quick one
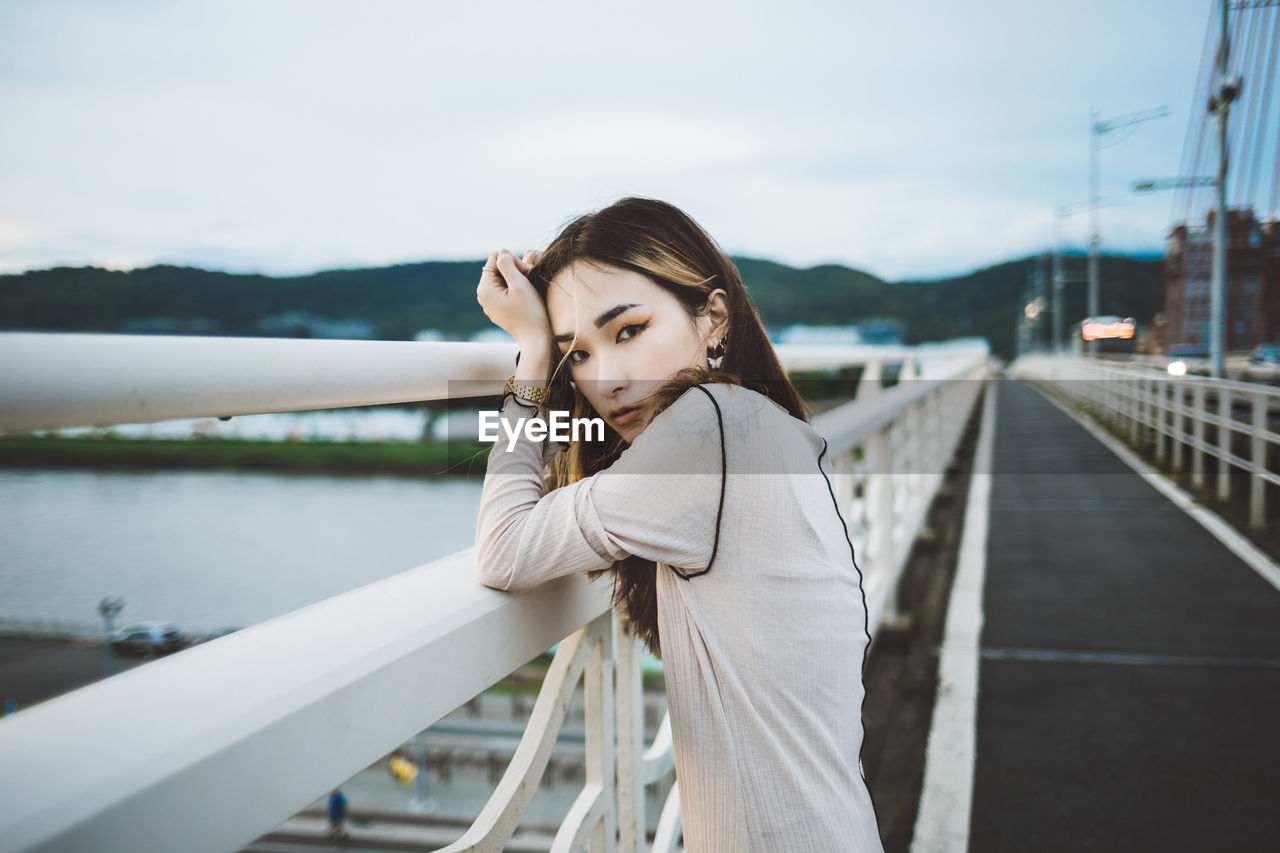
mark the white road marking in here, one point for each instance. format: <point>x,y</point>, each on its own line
<point>946,800</point>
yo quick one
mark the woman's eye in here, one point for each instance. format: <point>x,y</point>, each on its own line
<point>576,357</point>
<point>634,329</point>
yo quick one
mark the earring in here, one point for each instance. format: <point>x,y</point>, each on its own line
<point>715,355</point>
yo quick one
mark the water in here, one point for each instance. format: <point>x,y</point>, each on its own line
<point>210,549</point>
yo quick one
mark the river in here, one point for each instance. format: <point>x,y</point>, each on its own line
<point>210,549</point>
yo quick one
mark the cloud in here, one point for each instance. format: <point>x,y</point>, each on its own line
<point>286,137</point>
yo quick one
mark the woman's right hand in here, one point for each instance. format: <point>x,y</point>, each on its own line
<point>509,300</point>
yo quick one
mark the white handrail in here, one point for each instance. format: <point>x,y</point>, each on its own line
<point>71,380</point>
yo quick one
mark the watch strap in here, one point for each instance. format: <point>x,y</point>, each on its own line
<point>528,393</point>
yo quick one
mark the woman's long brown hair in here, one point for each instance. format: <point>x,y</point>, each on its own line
<point>664,244</point>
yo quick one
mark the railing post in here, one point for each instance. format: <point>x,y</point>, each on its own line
<point>1175,419</point>
<point>879,448</point>
<point>919,454</point>
<point>1159,413</point>
<point>933,407</point>
<point>592,821</point>
<point>1197,446</point>
<point>1133,390</point>
<point>602,737</point>
<point>630,715</point>
<point>1113,401</point>
<point>1224,444</point>
<point>1258,448</point>
<point>869,383</point>
<point>1146,410</point>
<point>1154,408</point>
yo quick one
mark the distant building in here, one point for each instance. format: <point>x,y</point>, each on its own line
<point>303,324</point>
<point>880,331</point>
<point>1252,308</point>
<point>800,333</point>
<point>884,331</point>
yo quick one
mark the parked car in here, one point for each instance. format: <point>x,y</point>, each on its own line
<point>1188,351</point>
<point>213,635</point>
<point>1266,354</point>
<point>147,638</point>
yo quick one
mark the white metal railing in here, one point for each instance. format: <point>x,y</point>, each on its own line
<point>72,380</point>
<point>1149,406</point>
<point>261,723</point>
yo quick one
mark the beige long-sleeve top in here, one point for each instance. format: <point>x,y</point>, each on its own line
<point>763,652</point>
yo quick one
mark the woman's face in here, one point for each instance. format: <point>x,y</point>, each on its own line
<point>621,336</point>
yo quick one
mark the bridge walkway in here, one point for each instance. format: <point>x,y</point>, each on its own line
<point>1129,662</point>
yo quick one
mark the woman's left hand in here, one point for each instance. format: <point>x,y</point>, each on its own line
<point>509,300</point>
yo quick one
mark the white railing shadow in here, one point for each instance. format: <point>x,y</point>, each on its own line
<point>212,747</point>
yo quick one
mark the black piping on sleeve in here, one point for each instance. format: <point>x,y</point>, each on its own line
<point>866,613</point>
<point>866,616</point>
<point>724,471</point>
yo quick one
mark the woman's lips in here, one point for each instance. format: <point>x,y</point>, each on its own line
<point>624,416</point>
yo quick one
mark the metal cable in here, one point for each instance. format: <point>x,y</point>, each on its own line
<point>1237,133</point>
<point>1260,139</point>
<point>1195,129</point>
<point>1275,176</point>
<point>1247,113</point>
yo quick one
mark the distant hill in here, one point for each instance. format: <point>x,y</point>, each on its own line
<point>986,302</point>
<point>400,300</point>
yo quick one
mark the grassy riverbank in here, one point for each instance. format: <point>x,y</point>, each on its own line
<point>408,459</point>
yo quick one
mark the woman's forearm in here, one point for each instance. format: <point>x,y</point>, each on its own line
<point>523,537</point>
<point>535,364</point>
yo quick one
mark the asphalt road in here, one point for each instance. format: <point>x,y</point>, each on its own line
<point>35,669</point>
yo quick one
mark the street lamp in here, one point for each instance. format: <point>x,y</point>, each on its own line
<point>1096,130</point>
<point>1060,278</point>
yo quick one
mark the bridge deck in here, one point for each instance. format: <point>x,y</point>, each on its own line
<point>1129,672</point>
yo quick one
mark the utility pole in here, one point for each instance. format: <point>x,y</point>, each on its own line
<point>1094,276</point>
<point>1042,298</point>
<point>1060,277</point>
<point>1057,301</point>
<point>1225,92</point>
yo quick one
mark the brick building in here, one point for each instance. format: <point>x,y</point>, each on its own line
<point>1253,284</point>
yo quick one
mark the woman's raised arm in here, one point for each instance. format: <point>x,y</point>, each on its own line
<point>660,500</point>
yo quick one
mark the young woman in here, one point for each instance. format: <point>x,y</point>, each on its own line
<point>707,505</point>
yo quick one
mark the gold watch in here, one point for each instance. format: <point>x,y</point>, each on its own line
<point>527,393</point>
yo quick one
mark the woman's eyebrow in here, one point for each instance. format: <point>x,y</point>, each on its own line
<point>600,321</point>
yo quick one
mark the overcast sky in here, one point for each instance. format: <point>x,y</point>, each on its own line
<point>913,139</point>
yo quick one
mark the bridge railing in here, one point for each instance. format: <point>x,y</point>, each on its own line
<point>1186,419</point>
<point>214,746</point>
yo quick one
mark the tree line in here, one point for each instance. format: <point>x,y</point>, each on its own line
<point>403,299</point>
